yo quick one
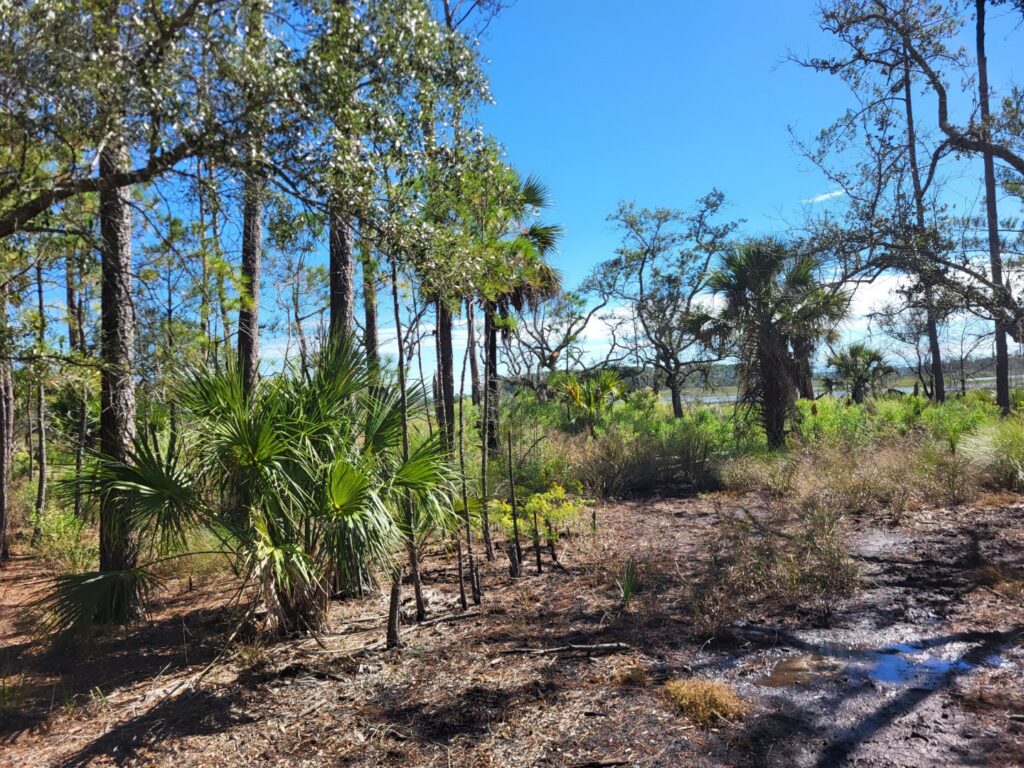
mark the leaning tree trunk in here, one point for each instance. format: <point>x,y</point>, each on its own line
<point>118,541</point>
<point>341,268</point>
<point>992,217</point>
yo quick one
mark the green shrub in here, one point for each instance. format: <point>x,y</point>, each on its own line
<point>953,420</point>
<point>998,451</point>
<point>65,542</point>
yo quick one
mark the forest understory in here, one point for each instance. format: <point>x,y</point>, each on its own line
<point>919,666</point>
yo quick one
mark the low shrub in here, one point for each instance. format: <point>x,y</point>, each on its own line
<point>703,701</point>
<point>65,542</point>
<point>998,452</point>
<point>793,559</point>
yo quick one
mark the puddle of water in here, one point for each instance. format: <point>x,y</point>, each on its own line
<point>900,664</point>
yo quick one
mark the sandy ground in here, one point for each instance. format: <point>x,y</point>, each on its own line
<point>921,668</point>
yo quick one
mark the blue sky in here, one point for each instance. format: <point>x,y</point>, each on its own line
<point>661,100</point>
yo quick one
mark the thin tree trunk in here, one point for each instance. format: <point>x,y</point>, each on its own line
<point>474,371</point>
<point>252,267</point>
<point>369,269</point>
<point>938,378</point>
<point>341,270</point>
<point>491,378</point>
<point>445,375</point>
<point>118,542</point>
<point>6,424</point>
<point>76,344</point>
<point>253,192</point>
<point>394,610</point>
<point>516,549</point>
<point>486,425</point>
<point>414,558</point>
<point>992,219</point>
<point>40,507</point>
<point>474,575</point>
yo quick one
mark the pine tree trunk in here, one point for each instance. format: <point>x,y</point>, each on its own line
<point>369,270</point>
<point>445,375</point>
<point>341,269</point>
<point>252,268</point>
<point>491,377</point>
<point>938,378</point>
<point>474,370</point>
<point>40,507</point>
<point>6,424</point>
<point>76,344</point>
<point>992,219</point>
<point>253,193</point>
<point>414,558</point>
<point>118,542</point>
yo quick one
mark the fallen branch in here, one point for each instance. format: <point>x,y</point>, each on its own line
<point>572,648</point>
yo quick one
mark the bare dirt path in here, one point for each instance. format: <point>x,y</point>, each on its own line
<point>921,668</point>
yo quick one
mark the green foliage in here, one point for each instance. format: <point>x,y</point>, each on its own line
<point>997,450</point>
<point>628,581</point>
<point>64,541</point>
<point>953,420</point>
<point>555,509</point>
<point>302,482</point>
<point>859,369</point>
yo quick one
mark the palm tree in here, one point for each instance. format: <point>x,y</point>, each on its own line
<point>859,370</point>
<point>773,300</point>
<point>518,274</point>
<point>303,480</point>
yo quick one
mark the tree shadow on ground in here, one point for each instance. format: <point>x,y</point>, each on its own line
<point>189,714</point>
<point>770,738</point>
<point>59,675</point>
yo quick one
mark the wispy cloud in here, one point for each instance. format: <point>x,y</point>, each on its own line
<point>823,197</point>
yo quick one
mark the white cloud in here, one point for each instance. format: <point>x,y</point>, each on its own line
<point>823,197</point>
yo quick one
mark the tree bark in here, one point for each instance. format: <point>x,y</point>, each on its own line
<point>992,216</point>
<point>474,370</point>
<point>253,191</point>
<point>369,270</point>
<point>76,344</point>
<point>252,268</point>
<point>6,424</point>
<point>414,558</point>
<point>445,375</point>
<point>677,396</point>
<point>938,378</point>
<point>342,272</point>
<point>40,507</point>
<point>118,542</point>
<point>491,377</point>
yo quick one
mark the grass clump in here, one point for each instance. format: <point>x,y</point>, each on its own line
<point>703,701</point>
<point>632,676</point>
